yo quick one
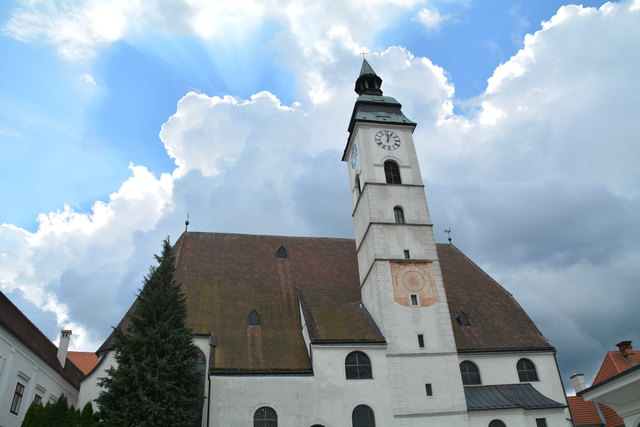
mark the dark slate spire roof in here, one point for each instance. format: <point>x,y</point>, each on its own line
<point>368,82</point>
<point>507,396</point>
<point>225,276</point>
<point>371,106</point>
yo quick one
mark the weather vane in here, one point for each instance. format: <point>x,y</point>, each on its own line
<point>186,223</point>
<point>448,231</point>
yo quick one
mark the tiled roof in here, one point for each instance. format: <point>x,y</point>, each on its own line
<point>226,276</point>
<point>615,363</point>
<point>18,325</point>
<point>505,396</point>
<point>84,360</point>
<point>496,319</point>
<point>583,413</point>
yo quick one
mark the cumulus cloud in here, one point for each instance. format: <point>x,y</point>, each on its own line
<point>538,182</point>
<point>430,18</point>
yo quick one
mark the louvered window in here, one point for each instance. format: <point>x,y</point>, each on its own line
<point>392,172</point>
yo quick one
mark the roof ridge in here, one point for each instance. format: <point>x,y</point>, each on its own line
<point>268,235</point>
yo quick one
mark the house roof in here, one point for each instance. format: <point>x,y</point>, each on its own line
<point>614,363</point>
<point>497,322</point>
<point>226,276</point>
<point>583,413</point>
<point>84,360</point>
<point>18,325</point>
<point>506,396</point>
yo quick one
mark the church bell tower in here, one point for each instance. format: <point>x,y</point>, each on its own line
<point>400,279</point>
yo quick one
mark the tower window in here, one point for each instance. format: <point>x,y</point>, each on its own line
<point>265,417</point>
<point>398,214</point>
<point>414,299</point>
<point>406,254</point>
<point>362,416</point>
<point>357,366</point>
<point>470,373</point>
<point>358,190</point>
<point>526,370</point>
<point>392,172</point>
<point>497,423</point>
<point>428,389</point>
<point>420,340</point>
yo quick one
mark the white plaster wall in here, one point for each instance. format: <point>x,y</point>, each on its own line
<point>519,417</point>
<point>18,363</point>
<point>501,369</point>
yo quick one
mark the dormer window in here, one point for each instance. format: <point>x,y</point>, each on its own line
<point>392,172</point>
<point>462,319</point>
<point>282,252</point>
<point>253,319</point>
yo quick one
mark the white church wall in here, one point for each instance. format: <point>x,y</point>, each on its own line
<point>19,364</point>
<point>518,417</point>
<point>89,389</point>
<point>501,369</point>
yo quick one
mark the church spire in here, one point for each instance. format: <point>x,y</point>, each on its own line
<point>368,82</point>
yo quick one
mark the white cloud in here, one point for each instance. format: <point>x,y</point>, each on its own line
<point>539,184</point>
<point>430,18</point>
<point>89,79</point>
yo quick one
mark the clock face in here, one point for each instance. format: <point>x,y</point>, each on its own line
<point>387,140</point>
<point>354,156</point>
<point>413,278</point>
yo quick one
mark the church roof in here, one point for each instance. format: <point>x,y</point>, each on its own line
<point>227,276</point>
<point>18,325</point>
<point>506,396</point>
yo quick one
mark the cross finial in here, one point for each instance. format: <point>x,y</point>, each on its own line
<point>363,53</point>
<point>448,231</point>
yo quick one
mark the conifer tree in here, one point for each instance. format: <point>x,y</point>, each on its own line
<point>155,380</point>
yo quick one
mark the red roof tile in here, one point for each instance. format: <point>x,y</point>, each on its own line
<point>84,360</point>
<point>613,364</point>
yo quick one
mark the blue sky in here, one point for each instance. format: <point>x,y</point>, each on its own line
<point>118,118</point>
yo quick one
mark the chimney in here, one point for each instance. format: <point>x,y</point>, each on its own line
<point>65,336</point>
<point>625,348</point>
<point>578,382</point>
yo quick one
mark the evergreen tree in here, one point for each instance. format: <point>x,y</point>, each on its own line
<point>155,380</point>
<point>59,414</point>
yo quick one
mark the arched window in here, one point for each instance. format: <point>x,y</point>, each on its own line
<point>398,214</point>
<point>358,189</point>
<point>201,366</point>
<point>526,370</point>
<point>265,417</point>
<point>392,172</point>
<point>362,416</point>
<point>470,373</point>
<point>497,423</point>
<point>357,366</point>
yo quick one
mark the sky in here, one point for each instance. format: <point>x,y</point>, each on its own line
<point>118,118</point>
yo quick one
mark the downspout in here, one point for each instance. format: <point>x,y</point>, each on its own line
<point>209,399</point>
<point>212,358</point>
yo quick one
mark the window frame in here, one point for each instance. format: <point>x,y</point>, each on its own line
<point>398,214</point>
<point>370,414</point>
<point>265,422</point>
<point>392,172</point>
<point>421,340</point>
<point>18,395</point>
<point>361,369</point>
<point>527,374</point>
<point>496,423</point>
<point>467,375</point>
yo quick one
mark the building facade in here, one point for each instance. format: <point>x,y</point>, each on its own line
<point>389,329</point>
<point>31,367</point>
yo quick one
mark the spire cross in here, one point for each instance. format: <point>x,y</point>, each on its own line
<point>363,53</point>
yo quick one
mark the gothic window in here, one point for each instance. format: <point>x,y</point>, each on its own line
<point>497,423</point>
<point>470,373</point>
<point>17,399</point>
<point>526,370</point>
<point>392,172</point>
<point>253,318</point>
<point>398,214</point>
<point>357,366</point>
<point>362,416</point>
<point>358,190</point>
<point>265,417</point>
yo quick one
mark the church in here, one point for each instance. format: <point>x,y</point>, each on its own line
<point>388,329</point>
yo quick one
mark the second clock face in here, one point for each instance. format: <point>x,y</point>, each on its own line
<point>387,140</point>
